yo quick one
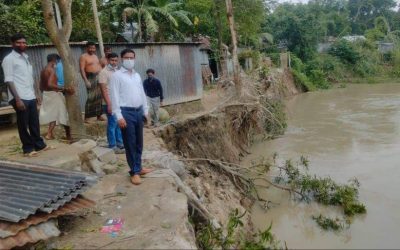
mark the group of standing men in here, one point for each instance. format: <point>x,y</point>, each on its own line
<point>117,91</point>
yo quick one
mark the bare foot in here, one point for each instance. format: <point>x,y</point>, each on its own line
<point>49,137</point>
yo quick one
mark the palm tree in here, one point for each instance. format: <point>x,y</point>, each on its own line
<point>170,14</point>
<point>147,11</point>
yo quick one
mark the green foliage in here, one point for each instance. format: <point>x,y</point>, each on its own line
<point>309,76</point>
<point>322,190</point>
<point>275,58</point>
<point>24,18</point>
<point>299,27</point>
<point>275,123</point>
<point>374,35</point>
<point>264,72</point>
<point>329,223</point>
<point>395,60</point>
<point>249,14</point>
<point>333,69</point>
<point>363,13</point>
<point>83,28</point>
<point>318,78</point>
<point>302,81</point>
<point>297,64</point>
<point>370,63</point>
<point>236,238</point>
<point>158,19</point>
<point>345,51</point>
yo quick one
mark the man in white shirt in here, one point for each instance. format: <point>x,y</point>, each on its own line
<point>23,95</point>
<point>129,106</point>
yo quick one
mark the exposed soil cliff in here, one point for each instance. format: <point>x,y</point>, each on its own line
<point>223,134</point>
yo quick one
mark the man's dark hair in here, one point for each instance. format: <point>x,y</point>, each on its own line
<point>112,55</point>
<point>150,71</point>
<point>127,51</point>
<point>88,44</point>
<point>107,48</point>
<point>53,57</point>
<point>17,37</point>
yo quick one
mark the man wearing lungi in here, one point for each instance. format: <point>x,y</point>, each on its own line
<point>90,68</point>
<point>53,110</point>
<point>129,105</point>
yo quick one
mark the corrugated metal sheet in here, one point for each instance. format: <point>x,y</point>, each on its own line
<point>33,234</point>
<point>177,65</point>
<point>27,189</point>
<point>8,229</point>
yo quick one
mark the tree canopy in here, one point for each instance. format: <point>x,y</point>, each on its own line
<point>299,27</point>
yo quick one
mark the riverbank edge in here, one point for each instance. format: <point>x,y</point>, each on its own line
<point>210,135</point>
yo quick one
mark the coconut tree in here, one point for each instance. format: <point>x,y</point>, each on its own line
<point>169,14</point>
<point>150,13</point>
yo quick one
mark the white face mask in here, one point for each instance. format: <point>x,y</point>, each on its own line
<point>128,64</point>
<point>112,67</point>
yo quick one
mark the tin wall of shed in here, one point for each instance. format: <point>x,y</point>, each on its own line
<point>178,66</point>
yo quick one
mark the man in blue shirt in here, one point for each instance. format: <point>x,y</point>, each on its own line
<point>154,92</point>
<point>60,73</point>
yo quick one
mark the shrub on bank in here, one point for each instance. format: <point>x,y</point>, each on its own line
<point>302,81</point>
<point>345,51</point>
<point>333,69</point>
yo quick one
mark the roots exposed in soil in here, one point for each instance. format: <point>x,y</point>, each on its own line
<point>213,143</point>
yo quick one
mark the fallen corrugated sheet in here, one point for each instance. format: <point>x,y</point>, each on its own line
<point>33,234</point>
<point>27,189</point>
<point>8,229</point>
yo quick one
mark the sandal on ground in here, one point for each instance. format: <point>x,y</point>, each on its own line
<point>31,154</point>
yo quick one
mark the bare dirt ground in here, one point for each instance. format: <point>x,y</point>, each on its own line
<point>155,214</point>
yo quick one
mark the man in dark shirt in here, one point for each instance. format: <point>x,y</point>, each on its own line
<point>154,92</point>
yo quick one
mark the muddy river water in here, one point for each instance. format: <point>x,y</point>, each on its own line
<point>345,133</point>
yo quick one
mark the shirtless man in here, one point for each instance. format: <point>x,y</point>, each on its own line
<point>53,110</point>
<point>104,60</point>
<point>90,67</point>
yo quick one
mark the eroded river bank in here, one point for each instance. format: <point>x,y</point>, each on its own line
<point>345,133</point>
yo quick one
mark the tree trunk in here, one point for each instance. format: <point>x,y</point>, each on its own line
<point>221,56</point>
<point>98,28</point>
<point>140,26</point>
<point>236,66</point>
<point>60,38</point>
